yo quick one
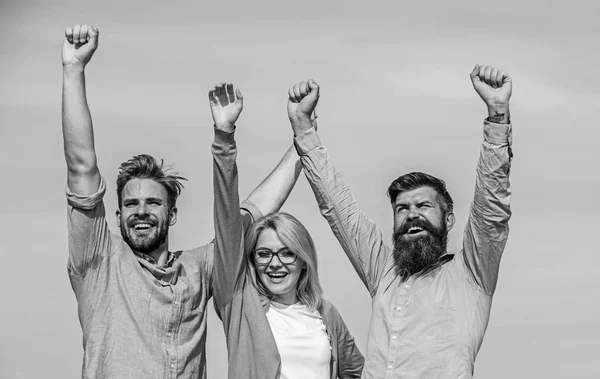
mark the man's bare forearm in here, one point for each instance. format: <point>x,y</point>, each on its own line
<point>274,190</point>
<point>499,115</point>
<point>83,177</point>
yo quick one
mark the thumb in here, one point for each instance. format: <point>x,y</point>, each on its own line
<point>314,88</point>
<point>507,81</point>
<point>475,74</point>
<point>238,95</point>
<point>94,36</point>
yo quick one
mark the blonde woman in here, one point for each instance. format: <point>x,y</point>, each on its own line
<point>266,287</point>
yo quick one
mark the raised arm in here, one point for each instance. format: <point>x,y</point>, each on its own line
<point>359,237</point>
<point>274,190</point>
<point>226,104</point>
<point>83,177</point>
<point>89,237</point>
<point>486,231</point>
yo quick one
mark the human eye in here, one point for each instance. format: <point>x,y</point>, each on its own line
<point>262,253</point>
<point>287,253</point>
<point>401,208</point>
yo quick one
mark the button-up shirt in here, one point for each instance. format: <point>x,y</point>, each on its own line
<point>138,320</point>
<point>432,324</point>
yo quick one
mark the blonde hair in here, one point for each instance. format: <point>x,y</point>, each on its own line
<point>295,237</point>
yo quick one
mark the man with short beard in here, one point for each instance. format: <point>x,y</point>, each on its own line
<point>142,308</point>
<point>430,308</point>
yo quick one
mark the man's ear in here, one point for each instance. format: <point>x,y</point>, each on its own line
<point>450,220</point>
<point>173,216</point>
<point>118,214</point>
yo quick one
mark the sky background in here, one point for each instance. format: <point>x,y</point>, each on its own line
<point>395,97</point>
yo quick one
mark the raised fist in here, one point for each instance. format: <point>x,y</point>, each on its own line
<point>493,86</point>
<point>81,41</point>
<point>303,99</point>
<point>226,104</point>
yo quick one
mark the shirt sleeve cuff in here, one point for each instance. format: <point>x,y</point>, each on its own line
<point>252,209</point>
<point>224,138</point>
<point>497,134</point>
<point>86,202</point>
<point>307,141</point>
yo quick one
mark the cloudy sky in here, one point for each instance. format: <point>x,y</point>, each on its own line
<point>396,97</point>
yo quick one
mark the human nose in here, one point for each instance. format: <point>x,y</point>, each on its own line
<point>275,261</point>
<point>141,209</point>
<point>413,213</point>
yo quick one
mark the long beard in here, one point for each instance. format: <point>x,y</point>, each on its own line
<point>417,254</point>
<point>146,244</point>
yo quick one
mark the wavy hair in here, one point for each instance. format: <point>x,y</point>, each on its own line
<point>144,166</point>
<point>295,237</point>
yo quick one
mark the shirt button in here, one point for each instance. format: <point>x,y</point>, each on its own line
<point>173,366</point>
<point>394,337</point>
<point>399,309</point>
<point>389,367</point>
<point>407,286</point>
<point>169,335</point>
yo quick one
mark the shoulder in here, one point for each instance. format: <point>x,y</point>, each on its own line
<point>202,254</point>
<point>206,249</point>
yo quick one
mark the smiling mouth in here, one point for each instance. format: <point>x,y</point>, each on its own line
<point>415,230</point>
<point>142,226</point>
<point>277,276</point>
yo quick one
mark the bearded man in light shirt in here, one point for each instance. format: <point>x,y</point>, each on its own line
<point>430,308</point>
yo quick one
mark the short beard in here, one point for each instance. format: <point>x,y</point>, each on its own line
<point>417,254</point>
<point>144,245</point>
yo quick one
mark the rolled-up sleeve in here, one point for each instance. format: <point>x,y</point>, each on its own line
<point>89,237</point>
<point>487,228</point>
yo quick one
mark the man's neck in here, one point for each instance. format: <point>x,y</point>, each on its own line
<point>160,256</point>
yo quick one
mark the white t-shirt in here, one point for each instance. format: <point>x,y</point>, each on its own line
<point>302,341</point>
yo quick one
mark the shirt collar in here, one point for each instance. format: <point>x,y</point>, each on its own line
<point>171,258</point>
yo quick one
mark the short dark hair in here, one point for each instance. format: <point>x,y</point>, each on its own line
<point>413,180</point>
<point>144,166</point>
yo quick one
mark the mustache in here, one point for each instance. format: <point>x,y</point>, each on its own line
<point>417,222</point>
<point>138,219</point>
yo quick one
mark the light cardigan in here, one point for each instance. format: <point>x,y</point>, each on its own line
<point>251,347</point>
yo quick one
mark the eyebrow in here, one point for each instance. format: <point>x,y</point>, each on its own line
<point>271,251</point>
<point>157,199</point>
<point>418,202</point>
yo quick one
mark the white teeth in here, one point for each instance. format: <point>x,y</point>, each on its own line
<point>142,226</point>
<point>415,229</point>
<point>279,275</point>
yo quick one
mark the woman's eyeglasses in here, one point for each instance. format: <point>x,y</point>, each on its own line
<point>264,256</point>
